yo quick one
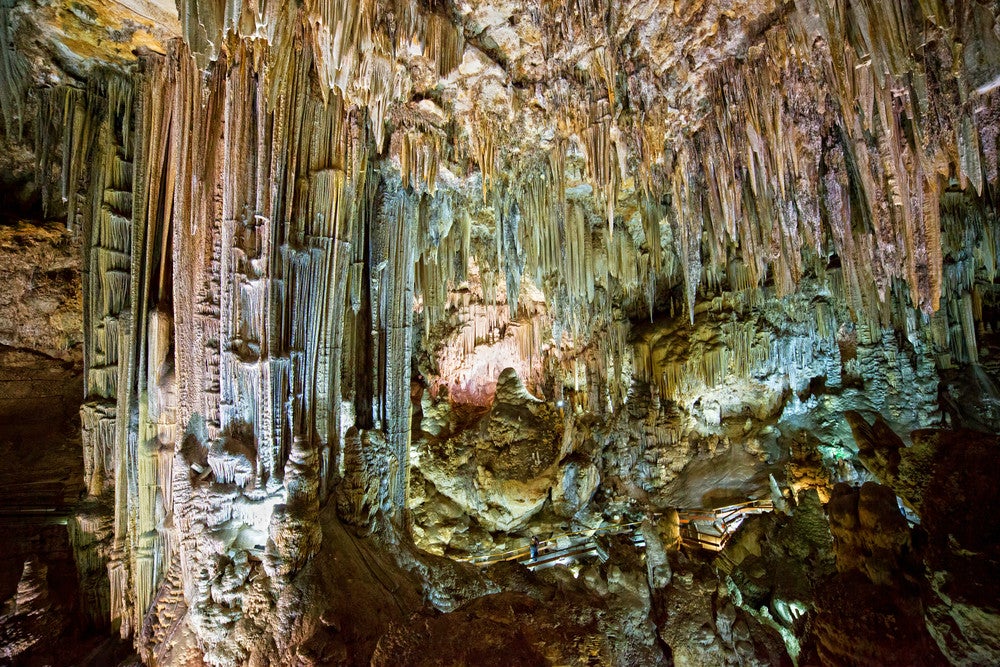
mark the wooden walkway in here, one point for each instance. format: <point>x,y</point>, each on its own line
<point>711,529</point>
<point>700,529</point>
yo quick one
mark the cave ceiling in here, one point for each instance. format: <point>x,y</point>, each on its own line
<point>750,140</point>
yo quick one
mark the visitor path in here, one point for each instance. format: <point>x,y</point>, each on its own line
<point>708,529</point>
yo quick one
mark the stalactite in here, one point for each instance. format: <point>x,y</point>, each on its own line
<point>13,75</point>
<point>419,158</point>
<point>687,225</point>
<point>397,305</point>
<point>443,42</point>
<point>95,125</point>
<point>343,26</point>
<point>597,138</point>
<point>88,533</point>
<point>485,149</point>
<point>748,351</point>
<point>510,255</point>
<point>98,435</point>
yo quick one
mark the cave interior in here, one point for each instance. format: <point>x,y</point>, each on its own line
<point>499,332</point>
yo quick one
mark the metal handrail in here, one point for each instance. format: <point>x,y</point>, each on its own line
<point>686,517</point>
<point>512,554</point>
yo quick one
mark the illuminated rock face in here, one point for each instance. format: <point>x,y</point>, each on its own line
<point>463,273</point>
<point>500,470</point>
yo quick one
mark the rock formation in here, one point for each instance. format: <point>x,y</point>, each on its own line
<point>308,307</point>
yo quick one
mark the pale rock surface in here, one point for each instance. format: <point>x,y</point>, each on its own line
<point>510,455</point>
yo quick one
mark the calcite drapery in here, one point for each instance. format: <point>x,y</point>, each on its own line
<point>215,311</point>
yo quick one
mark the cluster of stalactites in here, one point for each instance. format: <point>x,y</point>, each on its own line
<point>93,129</point>
<point>223,214</point>
<point>273,203</point>
<point>811,152</point>
<point>561,243</point>
<point>848,159</point>
<point>970,245</point>
<point>358,44</point>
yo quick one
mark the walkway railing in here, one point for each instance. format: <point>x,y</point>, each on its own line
<point>708,529</point>
<point>556,544</point>
<point>711,529</point>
